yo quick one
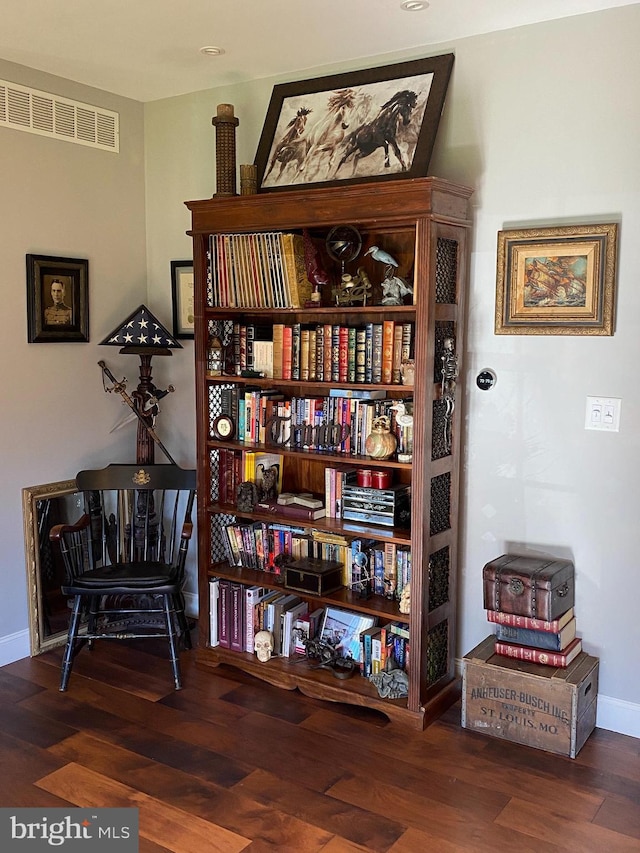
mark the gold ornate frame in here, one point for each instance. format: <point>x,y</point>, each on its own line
<point>556,281</point>
<point>32,496</point>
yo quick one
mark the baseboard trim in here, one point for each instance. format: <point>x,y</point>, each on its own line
<point>14,647</point>
<point>619,716</point>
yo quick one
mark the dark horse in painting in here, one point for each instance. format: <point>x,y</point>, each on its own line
<point>381,131</point>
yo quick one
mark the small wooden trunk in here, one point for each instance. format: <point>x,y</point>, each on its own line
<point>539,706</point>
<point>313,575</point>
<point>529,586</point>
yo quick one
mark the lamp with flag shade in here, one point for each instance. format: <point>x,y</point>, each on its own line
<point>144,335</point>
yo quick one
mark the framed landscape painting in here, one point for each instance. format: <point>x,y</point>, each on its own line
<point>372,125</point>
<point>556,281</point>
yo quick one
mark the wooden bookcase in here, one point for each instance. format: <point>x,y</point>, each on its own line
<point>424,223</point>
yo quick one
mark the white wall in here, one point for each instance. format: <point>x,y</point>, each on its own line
<point>62,199</point>
<point>543,122</point>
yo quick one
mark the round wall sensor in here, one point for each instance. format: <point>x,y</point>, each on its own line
<point>486,379</point>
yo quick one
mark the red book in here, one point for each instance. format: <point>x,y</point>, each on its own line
<point>514,621</point>
<point>287,351</point>
<point>528,653</point>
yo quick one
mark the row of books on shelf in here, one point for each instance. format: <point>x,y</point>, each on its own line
<point>339,423</point>
<point>258,270</point>
<point>266,547</point>
<point>238,612</point>
<point>371,353</point>
<point>552,643</point>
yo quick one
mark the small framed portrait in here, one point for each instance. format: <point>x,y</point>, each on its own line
<point>182,298</point>
<point>57,299</point>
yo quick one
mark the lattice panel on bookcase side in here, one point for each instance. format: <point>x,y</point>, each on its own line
<point>446,271</point>
<point>438,578</point>
<point>215,405</point>
<point>440,504</point>
<point>437,664</point>
<point>218,537</point>
<point>209,295</point>
<point>440,447</point>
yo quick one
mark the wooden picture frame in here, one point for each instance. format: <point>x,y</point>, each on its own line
<point>43,506</point>
<point>182,299</point>
<point>372,125</point>
<point>556,280</point>
<point>57,299</point>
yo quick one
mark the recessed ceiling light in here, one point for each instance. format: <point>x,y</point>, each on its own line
<point>414,5</point>
<point>212,51</point>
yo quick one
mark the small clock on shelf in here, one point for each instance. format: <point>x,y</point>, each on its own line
<point>223,428</point>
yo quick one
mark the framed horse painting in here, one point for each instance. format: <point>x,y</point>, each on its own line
<point>556,280</point>
<point>372,125</point>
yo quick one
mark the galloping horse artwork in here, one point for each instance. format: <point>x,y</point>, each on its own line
<point>381,132</point>
<point>378,123</point>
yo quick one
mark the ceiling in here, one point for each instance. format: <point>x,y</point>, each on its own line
<point>150,49</point>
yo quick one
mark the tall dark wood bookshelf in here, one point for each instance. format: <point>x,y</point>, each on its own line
<point>424,224</point>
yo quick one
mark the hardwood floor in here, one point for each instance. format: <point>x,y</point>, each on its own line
<point>230,764</point>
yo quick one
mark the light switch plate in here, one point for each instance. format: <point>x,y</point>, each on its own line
<point>603,413</point>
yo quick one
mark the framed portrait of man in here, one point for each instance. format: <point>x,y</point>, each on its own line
<point>57,299</point>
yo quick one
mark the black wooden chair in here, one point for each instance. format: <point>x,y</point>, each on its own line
<point>125,558</point>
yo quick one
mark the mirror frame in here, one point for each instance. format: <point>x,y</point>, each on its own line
<point>30,497</point>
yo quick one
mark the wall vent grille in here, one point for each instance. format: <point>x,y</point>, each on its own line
<point>38,112</point>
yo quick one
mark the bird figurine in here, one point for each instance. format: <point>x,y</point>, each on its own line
<point>379,254</point>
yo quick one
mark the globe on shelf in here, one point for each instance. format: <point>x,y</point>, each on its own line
<point>344,244</point>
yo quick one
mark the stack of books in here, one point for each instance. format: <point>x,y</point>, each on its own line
<point>524,638</point>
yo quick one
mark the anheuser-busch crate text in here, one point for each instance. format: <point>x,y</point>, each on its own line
<point>535,705</point>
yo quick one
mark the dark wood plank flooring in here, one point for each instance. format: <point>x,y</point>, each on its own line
<point>230,764</point>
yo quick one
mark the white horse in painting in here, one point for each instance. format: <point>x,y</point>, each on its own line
<point>327,133</point>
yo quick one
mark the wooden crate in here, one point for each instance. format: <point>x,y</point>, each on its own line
<point>539,706</point>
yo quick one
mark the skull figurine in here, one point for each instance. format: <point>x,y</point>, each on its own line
<point>263,645</point>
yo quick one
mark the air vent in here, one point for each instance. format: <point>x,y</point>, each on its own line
<point>38,112</point>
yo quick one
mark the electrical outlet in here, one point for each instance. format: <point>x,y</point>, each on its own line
<point>603,413</point>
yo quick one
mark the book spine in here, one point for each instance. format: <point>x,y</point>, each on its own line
<point>287,352</point>
<point>224,621</point>
<point>335,352</point>
<point>407,340</point>
<point>397,353</point>
<point>236,633</point>
<point>253,594</point>
<point>376,357</point>
<point>304,353</point>
<point>214,594</point>
<point>528,653</point>
<point>554,642</point>
<point>514,621</point>
<point>296,332</point>
<point>368,352</point>
<point>387,351</point>
<point>278,332</point>
<point>313,364</point>
<point>319,351</point>
<point>343,354</point>
<point>328,351</point>
<point>361,336</point>
<point>351,354</point>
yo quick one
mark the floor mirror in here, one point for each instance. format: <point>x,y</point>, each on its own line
<point>43,507</point>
